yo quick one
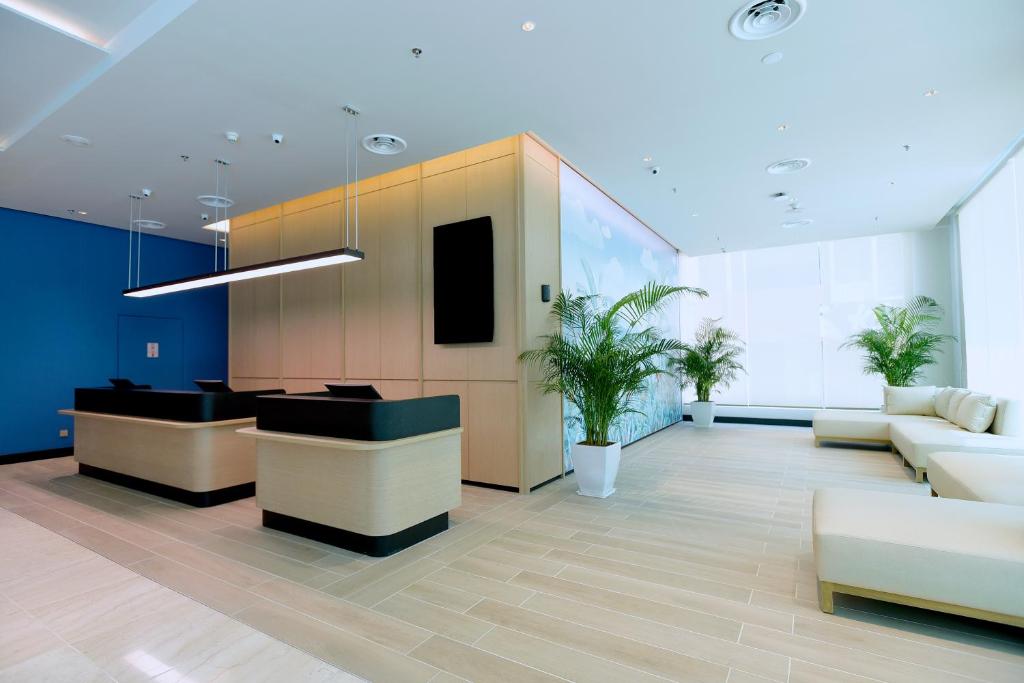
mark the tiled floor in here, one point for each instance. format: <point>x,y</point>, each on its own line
<point>698,569</point>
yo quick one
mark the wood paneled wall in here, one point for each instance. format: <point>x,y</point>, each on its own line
<point>373,320</point>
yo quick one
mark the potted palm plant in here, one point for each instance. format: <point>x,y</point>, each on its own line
<point>712,360</point>
<point>600,359</point>
<point>904,343</point>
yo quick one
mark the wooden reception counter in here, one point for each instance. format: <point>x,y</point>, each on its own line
<point>194,455</point>
<point>376,494</point>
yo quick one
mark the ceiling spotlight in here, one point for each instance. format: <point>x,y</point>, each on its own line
<point>803,222</point>
<point>383,143</point>
<point>528,26</point>
<point>148,224</point>
<point>76,140</point>
<point>782,127</point>
<point>931,92</point>
<point>787,166</point>
<point>76,212</point>
<point>780,197</point>
<point>231,136</point>
<point>772,58</point>
<point>648,159</point>
<point>416,52</point>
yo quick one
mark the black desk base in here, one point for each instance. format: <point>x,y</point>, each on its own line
<point>199,499</point>
<point>374,546</point>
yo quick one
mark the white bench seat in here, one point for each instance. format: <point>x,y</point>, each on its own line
<point>956,556</point>
<point>983,477</point>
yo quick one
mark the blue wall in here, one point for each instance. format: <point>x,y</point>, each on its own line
<point>60,297</point>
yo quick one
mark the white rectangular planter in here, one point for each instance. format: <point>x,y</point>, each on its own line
<point>703,413</point>
<point>596,468</point>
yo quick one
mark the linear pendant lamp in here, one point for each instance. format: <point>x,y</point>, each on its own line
<point>286,265</point>
<point>320,259</point>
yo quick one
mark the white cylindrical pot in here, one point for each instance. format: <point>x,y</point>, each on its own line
<point>596,468</point>
<point>703,413</point>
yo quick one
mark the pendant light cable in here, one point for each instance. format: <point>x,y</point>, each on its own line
<point>355,141</point>
<point>138,244</point>
<point>131,228</point>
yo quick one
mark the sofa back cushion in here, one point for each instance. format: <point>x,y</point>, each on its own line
<point>1009,419</point>
<point>910,400</point>
<point>942,401</point>
<point>976,412</point>
<point>954,403</point>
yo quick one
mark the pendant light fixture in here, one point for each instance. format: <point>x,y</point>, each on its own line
<point>219,201</point>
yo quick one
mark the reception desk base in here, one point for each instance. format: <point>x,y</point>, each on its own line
<point>371,497</point>
<point>375,546</point>
<point>196,463</point>
<point>199,499</point>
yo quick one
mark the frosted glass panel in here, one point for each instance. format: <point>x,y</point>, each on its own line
<point>991,237</point>
<point>784,344</point>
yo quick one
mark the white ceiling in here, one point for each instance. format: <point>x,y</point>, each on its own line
<point>605,82</point>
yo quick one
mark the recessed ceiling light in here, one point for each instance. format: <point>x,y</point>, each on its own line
<point>759,19</point>
<point>76,140</point>
<point>383,143</point>
<point>931,92</point>
<point>772,58</point>
<point>528,26</point>
<point>694,215</point>
<point>787,166</point>
<point>801,223</point>
<point>648,159</point>
<point>782,127</point>
<point>215,201</point>
<point>148,224</point>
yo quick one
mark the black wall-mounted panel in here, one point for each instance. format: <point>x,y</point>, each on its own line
<point>464,282</point>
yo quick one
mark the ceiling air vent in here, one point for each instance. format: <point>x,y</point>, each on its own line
<point>801,223</point>
<point>148,224</point>
<point>384,144</point>
<point>788,166</point>
<point>765,18</point>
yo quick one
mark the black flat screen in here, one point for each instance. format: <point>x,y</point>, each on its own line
<point>464,282</point>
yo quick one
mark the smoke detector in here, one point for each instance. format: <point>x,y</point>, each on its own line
<point>801,223</point>
<point>382,143</point>
<point>761,19</point>
<point>787,166</point>
<point>148,224</point>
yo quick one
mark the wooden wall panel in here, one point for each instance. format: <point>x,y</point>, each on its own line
<point>491,191</point>
<point>460,389</point>
<point>400,321</point>
<point>255,383</point>
<point>493,425</point>
<point>444,201</point>
<point>397,389</point>
<point>258,303</point>
<point>362,293</point>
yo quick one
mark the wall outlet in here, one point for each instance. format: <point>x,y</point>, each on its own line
<point>63,433</point>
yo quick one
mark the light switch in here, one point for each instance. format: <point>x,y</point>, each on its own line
<point>152,349</point>
<point>63,433</point>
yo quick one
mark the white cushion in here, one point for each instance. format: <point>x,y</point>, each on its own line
<point>942,401</point>
<point>978,476</point>
<point>1009,420</point>
<point>976,413</point>
<point>951,551</point>
<point>859,425</point>
<point>916,441</point>
<point>910,400</point>
<point>954,403</point>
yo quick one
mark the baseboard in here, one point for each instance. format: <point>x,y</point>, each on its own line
<point>29,456</point>
<point>199,499</point>
<point>545,483</point>
<point>485,485</point>
<point>774,421</point>
<point>374,546</point>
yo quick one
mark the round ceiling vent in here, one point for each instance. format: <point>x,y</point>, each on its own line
<point>148,224</point>
<point>801,223</point>
<point>382,143</point>
<point>765,18</point>
<point>788,166</point>
<point>215,201</point>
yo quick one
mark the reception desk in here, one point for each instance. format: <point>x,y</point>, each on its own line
<point>180,445</point>
<point>369,476</point>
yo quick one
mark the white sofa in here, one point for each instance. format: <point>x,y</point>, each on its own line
<point>983,477</point>
<point>917,437</point>
<point>957,556</point>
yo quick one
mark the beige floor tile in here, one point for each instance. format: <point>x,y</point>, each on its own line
<point>39,589</point>
<point>208,590</point>
<point>434,618</point>
<point>272,543</point>
<point>209,563</point>
<point>57,665</point>
<point>344,650</point>
<point>444,596</point>
<point>101,542</point>
<point>475,665</point>
<point>496,590</point>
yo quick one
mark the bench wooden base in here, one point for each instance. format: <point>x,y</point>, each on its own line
<point>827,590</point>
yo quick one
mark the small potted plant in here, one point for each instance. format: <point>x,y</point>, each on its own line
<point>600,359</point>
<point>710,362</point>
<point>904,343</point>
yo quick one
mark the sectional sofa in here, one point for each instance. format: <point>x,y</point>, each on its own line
<point>920,421</point>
